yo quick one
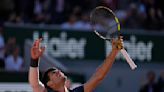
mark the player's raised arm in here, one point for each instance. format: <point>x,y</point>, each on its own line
<point>102,70</point>
<point>34,81</point>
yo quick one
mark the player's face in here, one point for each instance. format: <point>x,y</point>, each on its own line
<point>57,77</point>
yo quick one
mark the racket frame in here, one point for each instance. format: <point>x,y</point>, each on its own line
<point>123,51</point>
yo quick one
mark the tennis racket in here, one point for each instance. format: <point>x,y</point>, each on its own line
<point>106,25</point>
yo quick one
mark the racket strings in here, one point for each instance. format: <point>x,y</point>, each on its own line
<point>104,20</point>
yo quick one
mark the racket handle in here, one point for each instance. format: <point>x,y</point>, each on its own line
<point>128,59</point>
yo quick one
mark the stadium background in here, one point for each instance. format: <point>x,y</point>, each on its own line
<point>74,48</point>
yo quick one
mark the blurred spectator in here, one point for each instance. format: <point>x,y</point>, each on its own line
<point>85,5</point>
<point>6,6</point>
<point>71,23</point>
<point>41,11</point>
<point>88,5</point>
<point>14,18</point>
<point>83,23</point>
<point>160,11</point>
<point>123,4</point>
<point>2,48</point>
<point>154,17</point>
<point>14,62</point>
<point>59,10</point>
<point>160,83</point>
<point>12,11</point>
<point>28,10</point>
<point>112,4</point>
<point>133,19</point>
<point>10,44</point>
<point>151,85</point>
<point>147,14</point>
<point>160,8</point>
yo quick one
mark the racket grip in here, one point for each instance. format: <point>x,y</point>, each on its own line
<point>128,59</point>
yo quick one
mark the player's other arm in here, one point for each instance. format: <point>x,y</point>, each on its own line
<point>102,70</point>
<point>34,81</point>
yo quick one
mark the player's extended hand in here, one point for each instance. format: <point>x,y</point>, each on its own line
<point>36,51</point>
<point>117,44</point>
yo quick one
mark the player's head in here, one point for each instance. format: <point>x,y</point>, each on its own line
<point>53,77</point>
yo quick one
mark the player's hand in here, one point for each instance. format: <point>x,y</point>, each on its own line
<point>36,51</point>
<point>117,44</point>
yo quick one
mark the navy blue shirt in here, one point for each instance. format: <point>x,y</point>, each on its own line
<point>77,89</point>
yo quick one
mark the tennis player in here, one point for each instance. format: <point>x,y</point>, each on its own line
<point>54,80</point>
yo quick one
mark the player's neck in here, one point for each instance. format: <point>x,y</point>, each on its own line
<point>61,89</point>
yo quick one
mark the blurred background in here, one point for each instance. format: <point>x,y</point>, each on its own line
<point>75,49</point>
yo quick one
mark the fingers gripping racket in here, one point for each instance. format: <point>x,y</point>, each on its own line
<point>106,25</point>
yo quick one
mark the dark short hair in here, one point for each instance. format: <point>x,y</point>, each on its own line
<point>46,78</point>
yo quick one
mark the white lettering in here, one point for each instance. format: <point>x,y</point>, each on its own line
<point>140,50</point>
<point>62,46</point>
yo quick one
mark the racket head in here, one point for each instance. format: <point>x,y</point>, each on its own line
<point>104,23</point>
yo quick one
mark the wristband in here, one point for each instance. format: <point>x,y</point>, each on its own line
<point>34,62</point>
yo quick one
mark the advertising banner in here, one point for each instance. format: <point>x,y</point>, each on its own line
<point>85,45</point>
